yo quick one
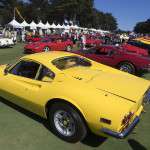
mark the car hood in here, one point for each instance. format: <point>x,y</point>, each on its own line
<point>120,84</point>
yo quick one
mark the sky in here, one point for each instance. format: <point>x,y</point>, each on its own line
<point>127,12</point>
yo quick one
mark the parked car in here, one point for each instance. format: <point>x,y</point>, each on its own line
<point>48,44</point>
<point>144,40</point>
<point>138,47</point>
<point>1,34</point>
<point>6,42</point>
<point>75,94</point>
<point>93,43</point>
<point>118,58</point>
<point>33,38</point>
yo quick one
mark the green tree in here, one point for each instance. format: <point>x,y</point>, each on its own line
<point>7,9</point>
<point>81,11</point>
<point>142,27</point>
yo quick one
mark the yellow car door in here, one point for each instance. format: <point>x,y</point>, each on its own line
<point>26,87</point>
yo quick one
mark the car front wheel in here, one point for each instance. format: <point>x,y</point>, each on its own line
<point>46,49</point>
<point>68,48</point>
<point>127,67</point>
<point>66,123</point>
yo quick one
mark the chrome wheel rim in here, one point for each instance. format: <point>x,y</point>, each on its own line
<point>126,68</point>
<point>46,49</point>
<point>64,123</point>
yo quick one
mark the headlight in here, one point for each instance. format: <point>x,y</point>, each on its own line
<point>146,98</point>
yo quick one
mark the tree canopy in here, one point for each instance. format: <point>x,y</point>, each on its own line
<point>143,27</point>
<point>82,12</point>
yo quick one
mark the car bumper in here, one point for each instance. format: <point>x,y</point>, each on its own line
<point>123,134</point>
<point>4,45</point>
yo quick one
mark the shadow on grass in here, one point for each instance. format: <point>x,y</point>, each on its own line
<point>135,145</point>
<point>91,139</point>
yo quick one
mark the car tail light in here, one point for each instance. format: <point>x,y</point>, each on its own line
<point>127,118</point>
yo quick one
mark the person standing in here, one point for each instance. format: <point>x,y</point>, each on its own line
<point>83,41</point>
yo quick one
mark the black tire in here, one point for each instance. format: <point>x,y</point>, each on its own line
<point>46,49</point>
<point>127,67</point>
<point>78,125</point>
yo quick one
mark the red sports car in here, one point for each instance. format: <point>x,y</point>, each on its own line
<point>118,58</point>
<point>48,44</point>
<point>137,47</point>
<point>93,42</point>
<point>33,38</point>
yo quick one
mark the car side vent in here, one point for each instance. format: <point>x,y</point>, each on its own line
<point>78,78</point>
<point>104,120</point>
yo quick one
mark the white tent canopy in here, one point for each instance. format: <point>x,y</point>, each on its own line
<point>33,25</point>
<point>47,25</point>
<point>59,26</point>
<point>67,27</point>
<point>53,26</point>
<point>76,27</point>
<point>24,24</point>
<point>63,26</point>
<point>15,24</point>
<point>41,25</point>
<point>102,31</point>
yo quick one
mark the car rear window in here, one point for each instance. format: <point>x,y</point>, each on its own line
<point>70,61</point>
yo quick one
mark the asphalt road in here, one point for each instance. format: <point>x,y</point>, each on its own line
<point>21,130</point>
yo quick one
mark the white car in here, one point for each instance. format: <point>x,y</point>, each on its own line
<point>6,42</point>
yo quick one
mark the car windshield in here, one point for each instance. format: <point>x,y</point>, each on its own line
<point>71,61</point>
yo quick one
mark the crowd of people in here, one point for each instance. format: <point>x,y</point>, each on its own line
<point>20,35</point>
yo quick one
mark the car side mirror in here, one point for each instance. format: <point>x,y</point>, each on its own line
<point>6,70</point>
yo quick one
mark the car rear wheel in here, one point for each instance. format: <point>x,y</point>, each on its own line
<point>46,49</point>
<point>66,123</point>
<point>127,67</point>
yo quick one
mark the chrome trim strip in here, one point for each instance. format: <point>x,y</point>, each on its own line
<point>123,134</point>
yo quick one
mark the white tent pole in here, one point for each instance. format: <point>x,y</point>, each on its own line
<point>14,14</point>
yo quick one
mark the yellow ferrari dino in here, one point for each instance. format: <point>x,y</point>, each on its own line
<point>75,94</point>
<point>143,40</point>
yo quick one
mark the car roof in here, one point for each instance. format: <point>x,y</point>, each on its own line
<point>47,57</point>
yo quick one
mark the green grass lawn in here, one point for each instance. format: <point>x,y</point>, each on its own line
<point>20,130</point>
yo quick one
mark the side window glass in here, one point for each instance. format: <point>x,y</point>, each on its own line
<point>111,52</point>
<point>27,69</point>
<point>45,72</point>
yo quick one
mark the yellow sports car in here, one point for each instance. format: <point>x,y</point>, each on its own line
<point>143,40</point>
<point>75,94</point>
